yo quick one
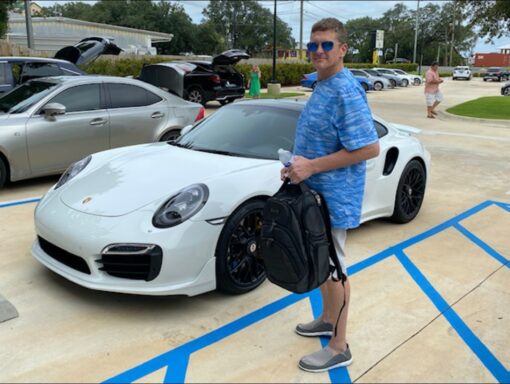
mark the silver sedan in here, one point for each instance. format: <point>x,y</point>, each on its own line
<point>47,124</point>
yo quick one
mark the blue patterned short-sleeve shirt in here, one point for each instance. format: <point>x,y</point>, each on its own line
<point>337,117</point>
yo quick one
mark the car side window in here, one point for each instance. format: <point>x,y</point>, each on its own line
<point>381,129</point>
<point>128,96</point>
<point>80,98</point>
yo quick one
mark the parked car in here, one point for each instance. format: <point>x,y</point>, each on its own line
<point>393,78</point>
<point>200,81</point>
<point>309,80</point>
<point>184,217</point>
<point>392,81</point>
<point>461,72</point>
<point>399,60</point>
<point>17,70</point>
<point>49,123</point>
<point>413,79</point>
<point>505,89</point>
<point>379,82</point>
<point>402,80</point>
<point>496,73</point>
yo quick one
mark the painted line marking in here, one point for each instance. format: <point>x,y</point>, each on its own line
<point>181,354</point>
<point>491,251</point>
<point>19,202</point>
<point>474,343</point>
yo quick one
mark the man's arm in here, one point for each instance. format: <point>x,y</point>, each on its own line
<point>302,168</point>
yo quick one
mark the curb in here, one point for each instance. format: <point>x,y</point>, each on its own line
<point>450,116</point>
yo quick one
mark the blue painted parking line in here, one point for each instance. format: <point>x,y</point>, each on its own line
<point>19,202</point>
<point>491,251</point>
<point>480,350</point>
<point>176,361</point>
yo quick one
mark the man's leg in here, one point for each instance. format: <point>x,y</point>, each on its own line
<point>335,295</point>
<point>436,103</point>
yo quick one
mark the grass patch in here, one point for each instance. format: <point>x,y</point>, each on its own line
<point>492,107</point>
<point>265,95</point>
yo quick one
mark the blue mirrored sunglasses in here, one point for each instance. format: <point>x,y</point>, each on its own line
<point>326,46</point>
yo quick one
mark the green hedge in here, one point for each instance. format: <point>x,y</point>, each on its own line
<point>287,74</point>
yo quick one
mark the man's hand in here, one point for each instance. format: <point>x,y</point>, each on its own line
<point>301,169</point>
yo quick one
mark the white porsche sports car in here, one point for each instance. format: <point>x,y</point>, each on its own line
<point>183,217</point>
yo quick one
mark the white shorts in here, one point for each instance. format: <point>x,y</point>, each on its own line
<point>431,98</point>
<point>339,236</point>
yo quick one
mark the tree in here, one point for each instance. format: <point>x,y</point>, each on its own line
<point>245,24</point>
<point>491,16</point>
<point>359,37</point>
<point>5,6</point>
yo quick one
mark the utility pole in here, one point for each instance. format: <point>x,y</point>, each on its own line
<point>416,31</point>
<point>301,31</point>
<point>453,34</point>
<point>396,53</point>
<point>28,21</point>
<point>273,80</point>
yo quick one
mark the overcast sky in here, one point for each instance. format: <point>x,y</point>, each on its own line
<point>289,11</point>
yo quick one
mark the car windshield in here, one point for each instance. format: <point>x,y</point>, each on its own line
<point>371,72</point>
<point>399,71</point>
<point>254,131</point>
<point>24,96</point>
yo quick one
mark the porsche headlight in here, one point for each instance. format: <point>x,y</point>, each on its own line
<point>72,171</point>
<point>181,207</point>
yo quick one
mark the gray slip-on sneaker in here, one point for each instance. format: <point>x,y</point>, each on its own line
<point>325,359</point>
<point>316,327</point>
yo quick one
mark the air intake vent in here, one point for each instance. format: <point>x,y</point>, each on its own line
<point>132,261</point>
<point>64,257</point>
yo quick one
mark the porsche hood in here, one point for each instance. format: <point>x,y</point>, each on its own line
<point>146,173</point>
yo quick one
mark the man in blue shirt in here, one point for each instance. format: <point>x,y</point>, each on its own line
<point>334,136</point>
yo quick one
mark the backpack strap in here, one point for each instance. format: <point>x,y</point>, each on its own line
<point>332,250</point>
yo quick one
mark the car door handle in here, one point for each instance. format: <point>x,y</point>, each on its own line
<point>157,115</point>
<point>97,122</point>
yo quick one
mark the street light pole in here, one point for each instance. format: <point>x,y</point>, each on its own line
<point>273,80</point>
<point>28,21</point>
<point>453,34</point>
<point>416,31</point>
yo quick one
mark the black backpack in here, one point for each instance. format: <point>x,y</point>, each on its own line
<point>295,241</point>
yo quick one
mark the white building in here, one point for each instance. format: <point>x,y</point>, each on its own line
<point>53,33</point>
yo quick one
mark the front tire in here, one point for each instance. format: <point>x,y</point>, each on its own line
<point>417,81</point>
<point>238,267</point>
<point>506,92</point>
<point>378,86</point>
<point>393,83</point>
<point>3,173</point>
<point>405,83</point>
<point>410,192</point>
<point>171,135</point>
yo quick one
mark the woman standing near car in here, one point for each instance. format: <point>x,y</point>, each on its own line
<point>255,81</point>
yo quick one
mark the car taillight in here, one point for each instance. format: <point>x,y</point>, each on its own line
<point>215,79</point>
<point>200,115</point>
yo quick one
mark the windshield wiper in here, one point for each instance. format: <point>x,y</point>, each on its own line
<point>176,144</point>
<point>217,152</point>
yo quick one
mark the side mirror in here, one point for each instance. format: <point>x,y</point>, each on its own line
<point>186,129</point>
<point>53,109</point>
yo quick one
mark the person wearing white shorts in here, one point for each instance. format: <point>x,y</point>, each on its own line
<point>432,94</point>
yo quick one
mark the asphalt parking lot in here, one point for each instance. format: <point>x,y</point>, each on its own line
<point>430,299</point>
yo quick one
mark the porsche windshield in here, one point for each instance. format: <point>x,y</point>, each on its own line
<point>255,131</point>
<point>24,96</point>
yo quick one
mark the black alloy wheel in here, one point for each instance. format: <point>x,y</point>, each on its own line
<point>174,134</point>
<point>378,86</point>
<point>410,192</point>
<point>506,91</point>
<point>239,269</point>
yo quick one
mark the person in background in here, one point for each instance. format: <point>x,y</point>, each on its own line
<point>255,81</point>
<point>335,135</point>
<point>432,94</point>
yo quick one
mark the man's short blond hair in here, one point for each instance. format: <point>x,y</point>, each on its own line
<point>331,24</point>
